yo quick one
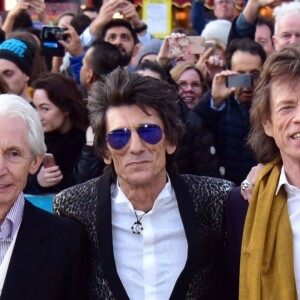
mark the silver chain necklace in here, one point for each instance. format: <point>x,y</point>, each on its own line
<point>137,226</point>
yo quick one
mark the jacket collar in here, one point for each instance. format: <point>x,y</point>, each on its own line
<point>104,232</point>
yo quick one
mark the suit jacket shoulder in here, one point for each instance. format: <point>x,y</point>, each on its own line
<point>49,260</point>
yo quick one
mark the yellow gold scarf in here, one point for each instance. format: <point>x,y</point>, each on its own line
<point>267,264</point>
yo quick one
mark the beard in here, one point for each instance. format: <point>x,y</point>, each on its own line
<point>126,57</point>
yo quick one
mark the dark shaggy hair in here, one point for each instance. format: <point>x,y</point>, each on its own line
<point>122,87</point>
<point>244,45</point>
<point>63,92</point>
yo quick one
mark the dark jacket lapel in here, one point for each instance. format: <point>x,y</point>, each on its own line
<point>104,232</point>
<point>29,252</point>
<point>188,217</point>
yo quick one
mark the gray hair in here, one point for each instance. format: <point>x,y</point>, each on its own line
<point>13,106</point>
<point>285,9</point>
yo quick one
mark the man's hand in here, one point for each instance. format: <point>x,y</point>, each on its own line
<point>106,13</point>
<point>219,90</point>
<point>252,178</point>
<point>39,7</point>
<point>129,13</point>
<point>73,43</point>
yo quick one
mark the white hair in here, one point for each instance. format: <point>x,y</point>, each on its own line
<point>13,106</point>
<point>285,9</point>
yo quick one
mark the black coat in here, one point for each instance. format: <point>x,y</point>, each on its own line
<point>196,152</point>
<point>235,216</point>
<point>230,127</point>
<point>49,259</point>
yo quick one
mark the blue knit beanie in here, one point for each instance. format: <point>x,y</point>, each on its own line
<point>20,53</point>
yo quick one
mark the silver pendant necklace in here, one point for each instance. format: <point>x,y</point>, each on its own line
<point>137,226</point>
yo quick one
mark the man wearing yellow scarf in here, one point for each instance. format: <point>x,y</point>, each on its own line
<point>270,253</point>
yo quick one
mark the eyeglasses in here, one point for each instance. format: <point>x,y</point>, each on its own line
<point>119,138</point>
<point>194,85</point>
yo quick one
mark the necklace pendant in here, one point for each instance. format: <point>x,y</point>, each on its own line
<point>137,227</point>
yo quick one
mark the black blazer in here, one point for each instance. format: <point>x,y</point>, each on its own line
<point>235,215</point>
<point>201,206</point>
<point>49,260</point>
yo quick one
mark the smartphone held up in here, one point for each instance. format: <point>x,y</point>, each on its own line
<point>51,35</point>
<point>239,81</point>
<point>186,44</point>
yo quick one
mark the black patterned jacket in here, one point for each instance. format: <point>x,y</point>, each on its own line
<point>201,205</point>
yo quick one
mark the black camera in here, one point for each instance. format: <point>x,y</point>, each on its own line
<point>50,37</point>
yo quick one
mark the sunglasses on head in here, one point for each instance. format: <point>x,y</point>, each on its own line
<point>119,138</point>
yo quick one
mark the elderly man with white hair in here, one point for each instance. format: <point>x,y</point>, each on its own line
<point>42,256</point>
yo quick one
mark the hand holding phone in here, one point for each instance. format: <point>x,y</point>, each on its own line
<point>186,44</point>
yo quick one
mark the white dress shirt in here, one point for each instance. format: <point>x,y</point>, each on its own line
<point>293,201</point>
<point>149,263</point>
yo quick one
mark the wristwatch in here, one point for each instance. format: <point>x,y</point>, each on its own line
<point>141,28</point>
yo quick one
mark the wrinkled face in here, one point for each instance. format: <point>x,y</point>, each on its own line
<point>52,117</point>
<point>122,38</point>
<point>16,80</point>
<point>284,122</point>
<point>264,38</point>
<point>246,63</point>
<point>16,159</point>
<point>138,163</point>
<point>287,31</point>
<point>190,88</point>
<point>224,9</point>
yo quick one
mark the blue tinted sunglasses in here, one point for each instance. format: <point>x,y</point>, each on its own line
<point>119,138</point>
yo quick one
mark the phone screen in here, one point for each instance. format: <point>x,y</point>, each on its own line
<point>50,37</point>
<point>239,81</point>
<point>196,44</point>
<point>48,160</point>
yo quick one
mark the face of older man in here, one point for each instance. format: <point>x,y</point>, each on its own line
<point>16,160</point>
<point>138,163</point>
<point>287,31</point>
<point>284,122</point>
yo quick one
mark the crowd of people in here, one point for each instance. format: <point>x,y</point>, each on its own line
<point>174,168</point>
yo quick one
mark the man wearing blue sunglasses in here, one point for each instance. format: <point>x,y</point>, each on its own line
<point>153,234</point>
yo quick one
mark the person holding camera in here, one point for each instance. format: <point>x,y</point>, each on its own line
<point>226,108</point>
